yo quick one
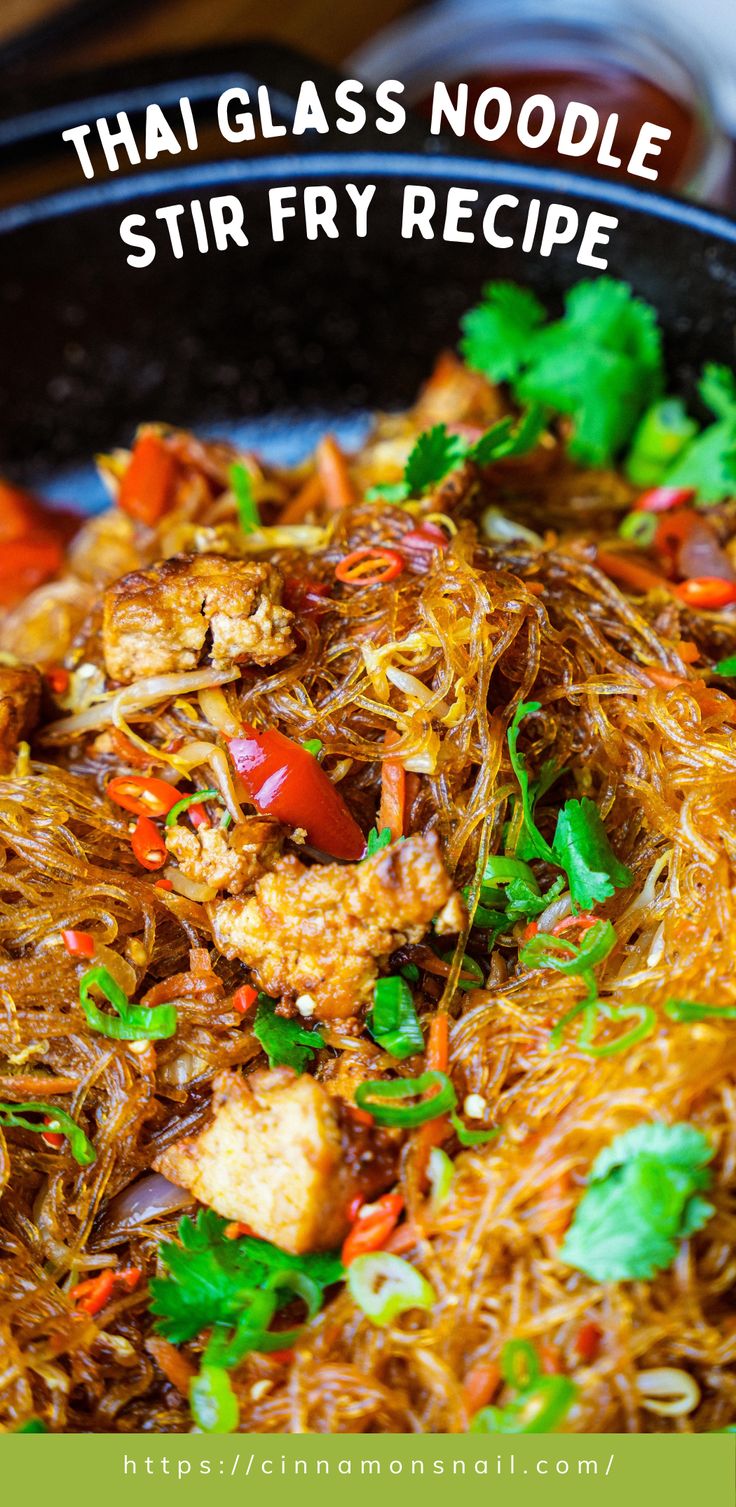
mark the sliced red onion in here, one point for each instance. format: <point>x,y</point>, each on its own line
<point>148,1198</point>
<point>700,554</point>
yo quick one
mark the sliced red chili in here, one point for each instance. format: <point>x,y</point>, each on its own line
<point>370,567</point>
<point>373,1225</point>
<point>707,592</point>
<point>661,499</point>
<point>148,844</point>
<point>57,680</point>
<point>143,796</point>
<point>93,1294</point>
<point>244,998</point>
<point>163,884</point>
<point>79,944</point>
<point>52,1138</point>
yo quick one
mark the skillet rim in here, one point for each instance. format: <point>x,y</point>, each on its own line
<point>384,165</point>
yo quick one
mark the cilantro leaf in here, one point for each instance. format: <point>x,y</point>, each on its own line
<point>536,846</point>
<point>708,462</point>
<point>504,439</point>
<point>601,363</point>
<point>717,388</point>
<point>496,333</point>
<point>285,1042</point>
<point>642,1199</point>
<point>435,452</point>
<point>377,841</point>
<point>241,482</point>
<point>726,666</point>
<point>212,1280</point>
<point>582,849</point>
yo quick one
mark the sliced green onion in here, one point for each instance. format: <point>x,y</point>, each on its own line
<point>638,528</point>
<point>440,1171</point>
<point>468,965</point>
<point>500,870</point>
<point>376,1095</point>
<point>313,746</point>
<point>226,820</point>
<point>37,1426</point>
<point>212,1401</point>
<point>538,1412</point>
<point>191,800</point>
<point>646,1018</point>
<point>393,1020</point>
<point>411,972</point>
<point>132,1022</point>
<point>726,666</point>
<point>242,485</point>
<point>384,1286</point>
<point>471,1137</point>
<point>689,1009</point>
<point>520,1365</point>
<point>547,951</point>
<point>55,1120</point>
<point>541,1401</point>
<point>662,433</point>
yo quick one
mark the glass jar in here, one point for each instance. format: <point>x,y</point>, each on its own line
<point>599,52</point>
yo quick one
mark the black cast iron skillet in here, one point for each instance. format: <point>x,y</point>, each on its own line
<point>329,328</point>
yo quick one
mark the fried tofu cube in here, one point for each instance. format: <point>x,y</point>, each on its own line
<point>157,621</point>
<point>230,861</point>
<point>281,1157</point>
<point>325,931</point>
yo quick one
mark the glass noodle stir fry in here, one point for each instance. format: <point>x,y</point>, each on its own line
<point>367,914</point>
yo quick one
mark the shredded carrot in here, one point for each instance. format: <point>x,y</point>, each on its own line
<point>433,1132</point>
<point>392,812</point>
<point>308,497</point>
<point>332,468</point>
<point>480,1386</point>
<point>549,1355</point>
<point>667,680</point>
<point>536,588</point>
<point>588,1342</point>
<point>557,1193</point>
<point>147,488</point>
<point>688,651</point>
<point>627,572</point>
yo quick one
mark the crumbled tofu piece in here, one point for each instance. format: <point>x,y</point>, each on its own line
<point>156,621</point>
<point>20,703</point>
<point>284,1157</point>
<point>325,931</point>
<point>231,860</point>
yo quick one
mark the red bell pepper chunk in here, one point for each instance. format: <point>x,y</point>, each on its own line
<point>285,781</point>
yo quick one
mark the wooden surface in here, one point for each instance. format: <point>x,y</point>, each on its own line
<point>326,29</point>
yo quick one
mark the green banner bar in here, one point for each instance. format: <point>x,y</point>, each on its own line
<point>602,1470</point>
